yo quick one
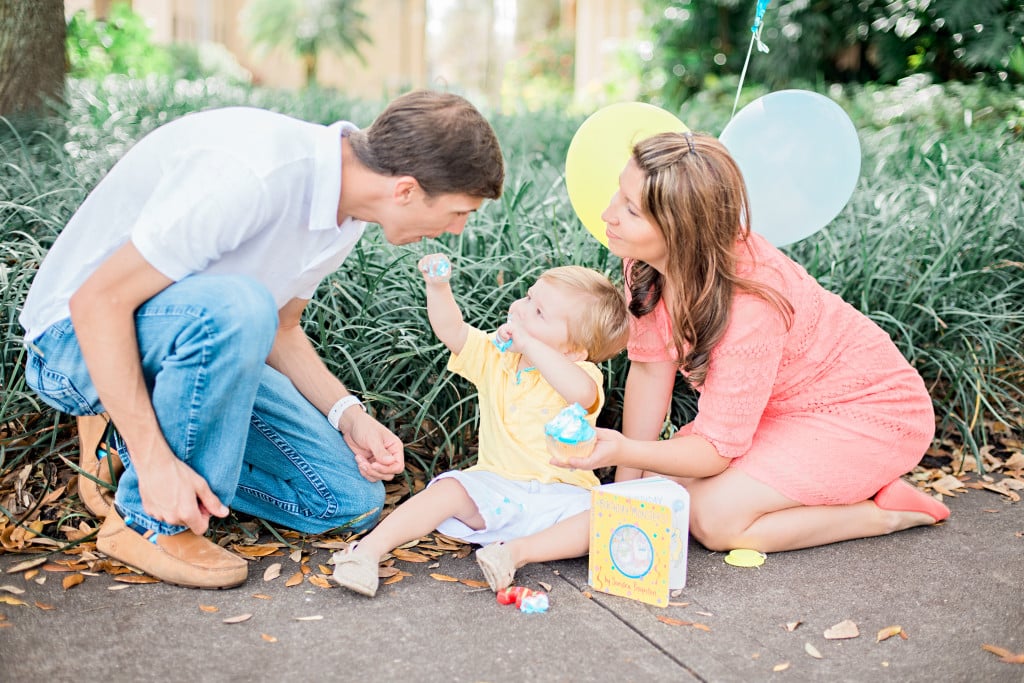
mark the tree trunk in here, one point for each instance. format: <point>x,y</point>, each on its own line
<point>32,55</point>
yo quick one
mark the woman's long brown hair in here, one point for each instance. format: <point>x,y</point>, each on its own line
<point>694,192</point>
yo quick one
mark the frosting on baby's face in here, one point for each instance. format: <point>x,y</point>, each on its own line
<point>570,425</point>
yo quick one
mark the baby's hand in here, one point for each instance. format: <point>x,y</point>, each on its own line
<point>514,335</point>
<point>435,268</point>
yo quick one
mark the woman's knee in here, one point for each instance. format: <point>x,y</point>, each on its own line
<point>711,533</point>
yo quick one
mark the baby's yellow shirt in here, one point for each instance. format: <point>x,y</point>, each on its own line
<point>513,410</point>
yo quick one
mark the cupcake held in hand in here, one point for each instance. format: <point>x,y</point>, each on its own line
<point>569,435</point>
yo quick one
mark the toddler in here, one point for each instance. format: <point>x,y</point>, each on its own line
<point>570,319</point>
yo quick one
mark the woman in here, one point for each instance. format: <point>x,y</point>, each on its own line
<point>808,413</point>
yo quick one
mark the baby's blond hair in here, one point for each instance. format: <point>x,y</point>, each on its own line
<point>602,327</point>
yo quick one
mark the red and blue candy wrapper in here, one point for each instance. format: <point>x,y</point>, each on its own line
<point>525,600</point>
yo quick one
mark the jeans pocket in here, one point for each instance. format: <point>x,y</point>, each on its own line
<point>55,388</point>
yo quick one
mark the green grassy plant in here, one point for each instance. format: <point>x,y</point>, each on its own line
<point>930,246</point>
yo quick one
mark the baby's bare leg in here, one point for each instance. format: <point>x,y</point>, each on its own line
<point>569,538</point>
<point>420,515</point>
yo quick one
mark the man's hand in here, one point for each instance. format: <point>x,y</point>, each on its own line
<point>379,453</point>
<point>172,492</point>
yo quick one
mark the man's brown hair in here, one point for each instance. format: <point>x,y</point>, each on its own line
<point>440,139</point>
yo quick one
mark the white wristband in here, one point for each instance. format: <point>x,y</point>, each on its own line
<point>343,404</point>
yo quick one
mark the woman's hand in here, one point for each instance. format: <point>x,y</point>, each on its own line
<point>607,452</point>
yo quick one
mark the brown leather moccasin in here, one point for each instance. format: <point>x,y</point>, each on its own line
<point>184,559</point>
<point>97,457</point>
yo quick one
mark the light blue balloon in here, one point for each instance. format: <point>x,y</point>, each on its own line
<point>800,157</point>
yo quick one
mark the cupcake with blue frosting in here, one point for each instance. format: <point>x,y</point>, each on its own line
<point>569,435</point>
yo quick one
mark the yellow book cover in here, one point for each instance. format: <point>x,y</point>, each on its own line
<point>639,532</point>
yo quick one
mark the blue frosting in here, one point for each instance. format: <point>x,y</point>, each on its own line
<point>570,425</point>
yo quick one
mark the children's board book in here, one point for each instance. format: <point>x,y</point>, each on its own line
<point>639,534</point>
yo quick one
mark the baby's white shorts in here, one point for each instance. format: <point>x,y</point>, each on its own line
<point>511,508</point>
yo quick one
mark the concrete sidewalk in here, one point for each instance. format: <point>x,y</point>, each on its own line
<point>952,588</point>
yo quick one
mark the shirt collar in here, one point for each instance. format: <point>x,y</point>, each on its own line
<point>323,211</point>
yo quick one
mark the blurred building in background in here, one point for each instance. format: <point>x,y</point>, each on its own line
<point>470,46</point>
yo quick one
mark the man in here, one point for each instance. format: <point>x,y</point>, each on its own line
<point>172,302</point>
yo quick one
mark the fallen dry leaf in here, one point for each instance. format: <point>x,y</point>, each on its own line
<point>812,651</point>
<point>394,579</point>
<point>701,627</point>
<point>238,619</point>
<point>294,580</point>
<point>72,580</point>
<point>781,666</point>
<point>296,556</point>
<point>135,578</point>
<point>43,606</point>
<point>251,551</point>
<point>791,625</point>
<point>27,564</point>
<point>409,556</point>
<point>119,587</point>
<point>947,485</point>
<point>31,574</point>
<point>332,545</point>
<point>1004,655</point>
<point>325,570</point>
<point>272,572</point>
<point>672,621</point>
<point>10,600</point>
<point>888,632</point>
<point>547,586</point>
<point>12,589</point>
<point>844,629</point>
<point>54,567</point>
<point>268,638</point>
<point>444,577</point>
<point>209,608</point>
<point>473,583</point>
<point>385,572</point>
<point>261,596</point>
<point>320,582</point>
<point>678,604</point>
<point>314,617</point>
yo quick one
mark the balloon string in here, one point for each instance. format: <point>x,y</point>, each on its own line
<point>743,74</point>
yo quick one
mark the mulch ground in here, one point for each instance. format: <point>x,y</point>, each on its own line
<point>42,517</point>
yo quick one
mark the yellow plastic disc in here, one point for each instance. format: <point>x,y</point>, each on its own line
<point>743,557</point>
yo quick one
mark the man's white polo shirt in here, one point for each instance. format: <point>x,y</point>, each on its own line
<point>229,191</point>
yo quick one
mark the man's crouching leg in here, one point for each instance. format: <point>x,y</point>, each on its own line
<point>298,471</point>
<point>203,343</point>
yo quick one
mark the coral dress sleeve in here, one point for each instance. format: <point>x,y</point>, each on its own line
<point>741,376</point>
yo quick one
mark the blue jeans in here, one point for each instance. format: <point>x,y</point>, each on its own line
<point>263,448</point>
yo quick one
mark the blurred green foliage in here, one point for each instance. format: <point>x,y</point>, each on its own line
<point>307,27</point>
<point>119,44</point>
<point>695,43</point>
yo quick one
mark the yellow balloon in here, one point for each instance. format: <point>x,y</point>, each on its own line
<point>599,151</point>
